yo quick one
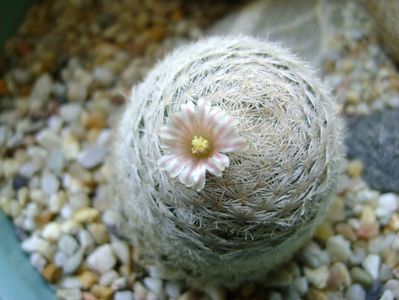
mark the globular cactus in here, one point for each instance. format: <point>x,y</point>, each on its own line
<point>255,208</point>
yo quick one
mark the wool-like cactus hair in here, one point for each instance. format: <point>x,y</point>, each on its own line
<point>272,194</point>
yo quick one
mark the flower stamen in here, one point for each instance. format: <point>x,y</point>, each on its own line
<point>201,146</point>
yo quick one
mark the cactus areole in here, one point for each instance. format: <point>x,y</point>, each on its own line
<point>225,160</point>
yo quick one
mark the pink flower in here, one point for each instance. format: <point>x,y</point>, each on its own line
<point>193,141</point>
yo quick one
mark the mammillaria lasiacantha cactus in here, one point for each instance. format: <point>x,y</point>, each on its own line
<point>225,160</point>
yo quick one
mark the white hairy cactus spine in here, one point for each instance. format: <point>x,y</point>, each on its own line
<point>267,201</point>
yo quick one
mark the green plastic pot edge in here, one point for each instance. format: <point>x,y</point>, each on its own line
<point>18,278</point>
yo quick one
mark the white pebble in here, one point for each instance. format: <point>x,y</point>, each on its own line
<point>48,139</point>
<point>355,292</point>
<point>103,75</point>
<point>301,285</point>
<point>35,244</point>
<point>338,248</point>
<point>153,284</point>
<point>49,183</point>
<point>121,250</point>
<point>119,284</point>
<point>108,277</point>
<point>71,282</point>
<point>317,277</point>
<point>70,112</point>
<point>42,88</point>
<point>92,156</point>
<point>101,259</point>
<point>124,295</point>
<point>56,202</point>
<point>173,288</point>
<point>78,201</point>
<point>60,258</point>
<point>68,244</point>
<point>387,204</point>
<point>56,161</point>
<point>52,231</point>
<point>69,294</point>
<point>38,261</point>
<point>30,168</point>
<point>86,240</point>
<point>388,295</point>
<point>73,262</point>
<point>372,265</point>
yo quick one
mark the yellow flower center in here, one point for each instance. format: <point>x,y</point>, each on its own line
<point>201,146</point>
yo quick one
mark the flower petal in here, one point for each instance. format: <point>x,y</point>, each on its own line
<point>173,164</point>
<point>214,166</point>
<point>235,143</point>
<point>222,159</point>
<point>192,173</point>
<point>200,182</point>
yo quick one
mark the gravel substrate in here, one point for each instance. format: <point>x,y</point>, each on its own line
<point>64,78</point>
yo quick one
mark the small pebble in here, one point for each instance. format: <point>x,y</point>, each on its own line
<point>101,259</point>
<point>99,232</point>
<point>68,244</point>
<point>52,231</point>
<point>93,156</point>
<point>103,76</point>
<point>372,265</point>
<point>358,275</point>
<point>87,279</point>
<point>69,294</point>
<point>38,261</point>
<point>173,288</point>
<point>108,277</point>
<point>387,295</point>
<point>124,295</point>
<point>73,262</point>
<point>49,183</point>
<point>86,215</point>
<point>153,284</point>
<point>355,292</point>
<point>51,273</point>
<point>121,250</point>
<point>339,248</point>
<point>317,277</point>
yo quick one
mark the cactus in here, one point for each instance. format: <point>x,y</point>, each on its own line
<point>267,201</point>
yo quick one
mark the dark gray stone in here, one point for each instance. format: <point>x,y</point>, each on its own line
<point>374,139</point>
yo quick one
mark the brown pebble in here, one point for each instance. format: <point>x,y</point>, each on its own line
<point>95,120</point>
<point>102,292</point>
<point>324,231</point>
<point>394,222</point>
<point>191,295</point>
<point>355,167</point>
<point>44,217</point>
<point>339,276</point>
<point>314,294</point>
<point>88,296</point>
<point>390,257</point>
<point>3,88</point>
<point>367,231</point>
<point>88,279</point>
<point>52,273</point>
<point>346,231</point>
